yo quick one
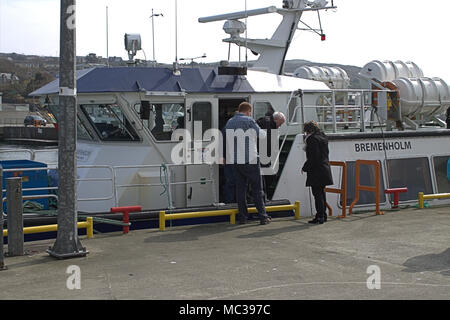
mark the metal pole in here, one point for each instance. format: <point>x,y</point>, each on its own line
<point>153,33</point>
<point>153,36</point>
<point>67,244</point>
<point>2,262</point>
<point>333,107</point>
<point>176,31</point>
<point>363,124</point>
<point>14,207</point>
<point>107,37</point>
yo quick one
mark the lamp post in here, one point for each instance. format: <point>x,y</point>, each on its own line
<point>153,32</point>
<point>67,244</point>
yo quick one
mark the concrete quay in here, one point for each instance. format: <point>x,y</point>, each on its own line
<point>408,251</point>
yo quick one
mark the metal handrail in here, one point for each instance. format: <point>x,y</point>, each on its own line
<point>170,183</point>
<point>31,152</point>
<point>335,107</point>
<point>78,180</point>
<point>31,197</point>
<point>113,179</point>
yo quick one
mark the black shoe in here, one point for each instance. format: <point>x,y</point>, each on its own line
<point>265,221</point>
<point>243,221</point>
<point>325,217</point>
<point>316,221</point>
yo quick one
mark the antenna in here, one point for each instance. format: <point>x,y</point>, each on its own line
<point>176,69</point>
<point>176,31</point>
<point>153,33</point>
<point>246,28</point>
<point>107,38</point>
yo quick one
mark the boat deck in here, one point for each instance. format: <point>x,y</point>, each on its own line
<point>287,259</point>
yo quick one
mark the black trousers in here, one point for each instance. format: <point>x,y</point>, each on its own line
<point>320,200</point>
<point>249,174</point>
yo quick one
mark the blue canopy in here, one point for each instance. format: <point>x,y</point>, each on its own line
<point>132,79</point>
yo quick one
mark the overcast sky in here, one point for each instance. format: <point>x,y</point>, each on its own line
<point>358,32</point>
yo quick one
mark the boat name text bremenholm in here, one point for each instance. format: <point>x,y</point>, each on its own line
<point>381,146</point>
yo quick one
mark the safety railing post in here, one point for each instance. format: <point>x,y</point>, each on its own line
<point>231,212</point>
<point>375,189</point>
<point>423,197</point>
<point>342,191</point>
<point>162,220</point>
<point>211,177</point>
<point>126,215</point>
<point>14,207</point>
<point>90,227</point>
<point>297,209</point>
<point>361,102</point>
<point>2,261</point>
<point>232,218</point>
<point>333,102</point>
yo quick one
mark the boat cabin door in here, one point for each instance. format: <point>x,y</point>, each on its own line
<point>201,115</point>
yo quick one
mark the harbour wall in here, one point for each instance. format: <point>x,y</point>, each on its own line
<point>42,134</point>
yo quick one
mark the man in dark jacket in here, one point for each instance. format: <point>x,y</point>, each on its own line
<point>317,167</point>
<point>271,121</point>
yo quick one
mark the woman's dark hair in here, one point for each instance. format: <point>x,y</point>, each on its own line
<point>311,127</point>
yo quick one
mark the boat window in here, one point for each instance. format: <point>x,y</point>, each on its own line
<point>109,122</point>
<point>82,132</point>
<point>293,114</point>
<point>367,178</point>
<point>260,108</point>
<point>442,172</point>
<point>164,119</point>
<point>202,112</point>
<point>413,173</point>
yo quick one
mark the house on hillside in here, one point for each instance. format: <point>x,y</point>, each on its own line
<point>8,78</point>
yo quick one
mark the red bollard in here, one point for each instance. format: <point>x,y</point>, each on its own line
<point>126,214</point>
<point>395,191</point>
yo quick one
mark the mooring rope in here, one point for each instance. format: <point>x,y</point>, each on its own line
<point>165,183</point>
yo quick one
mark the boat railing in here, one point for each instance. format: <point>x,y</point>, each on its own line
<point>55,188</point>
<point>342,109</point>
<point>165,181</point>
<point>111,178</point>
<point>33,154</point>
<point>346,108</point>
<point>28,151</point>
<point>165,170</point>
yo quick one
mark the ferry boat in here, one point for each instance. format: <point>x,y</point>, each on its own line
<point>127,116</point>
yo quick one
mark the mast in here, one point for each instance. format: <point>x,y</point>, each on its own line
<point>272,52</point>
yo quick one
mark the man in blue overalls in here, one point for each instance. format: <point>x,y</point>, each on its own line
<point>244,158</point>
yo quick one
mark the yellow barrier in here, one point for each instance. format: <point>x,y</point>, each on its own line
<point>423,197</point>
<point>163,217</point>
<point>89,225</point>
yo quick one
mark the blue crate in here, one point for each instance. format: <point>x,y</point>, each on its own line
<point>30,179</point>
<point>448,169</point>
